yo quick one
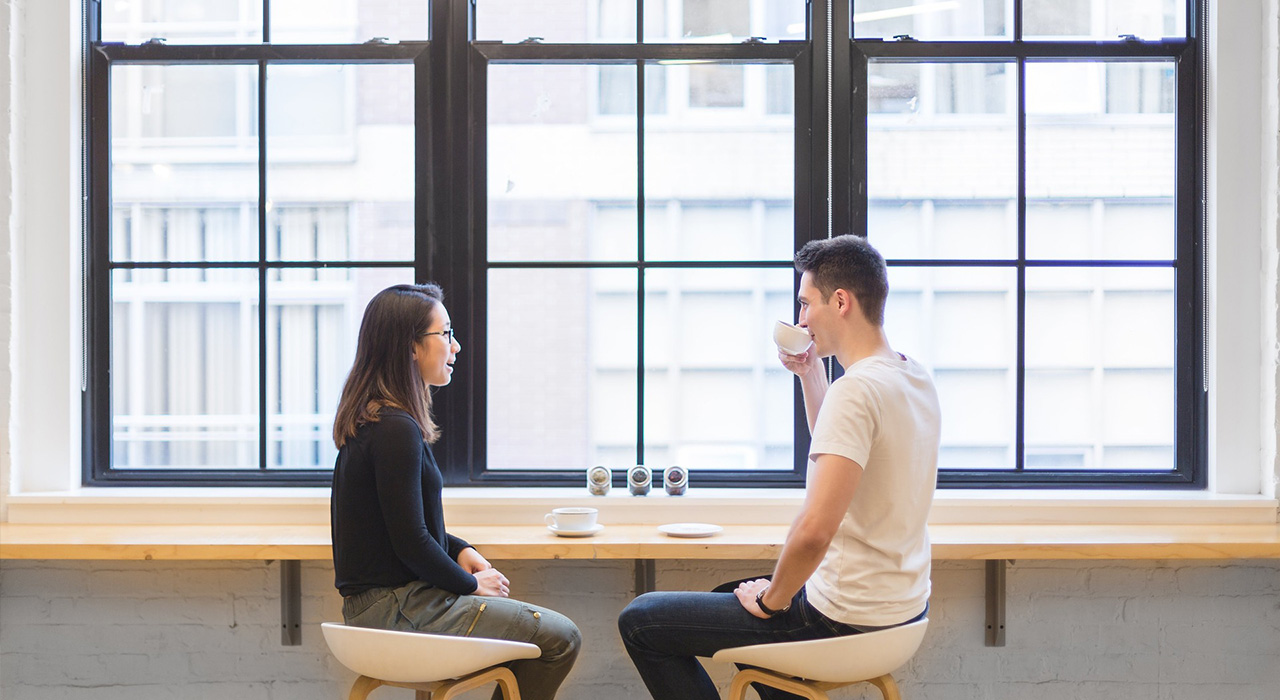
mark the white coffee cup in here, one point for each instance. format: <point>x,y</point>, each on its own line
<point>792,340</point>
<point>570,519</point>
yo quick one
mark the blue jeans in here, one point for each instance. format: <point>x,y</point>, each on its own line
<point>664,631</point>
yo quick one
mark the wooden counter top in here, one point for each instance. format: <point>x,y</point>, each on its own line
<point>502,542</point>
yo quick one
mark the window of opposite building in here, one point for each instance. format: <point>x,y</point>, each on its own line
<point>611,192</point>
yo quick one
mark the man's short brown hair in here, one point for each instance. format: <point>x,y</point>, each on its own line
<point>848,262</point>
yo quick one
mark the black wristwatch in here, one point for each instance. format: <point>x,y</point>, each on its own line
<point>765,608</point>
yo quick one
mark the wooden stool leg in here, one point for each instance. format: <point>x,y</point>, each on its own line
<point>888,687</point>
<point>738,688</point>
<point>503,675</point>
<point>748,676</point>
<point>422,695</point>
<point>507,682</point>
<point>363,686</point>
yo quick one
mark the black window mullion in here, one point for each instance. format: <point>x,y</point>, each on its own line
<point>820,129</point>
<point>641,68</point>
<point>262,262</point>
<point>96,446</point>
<point>859,148</point>
<point>844,169</point>
<point>1192,274</point>
<point>1020,379</point>
<point>452,248</point>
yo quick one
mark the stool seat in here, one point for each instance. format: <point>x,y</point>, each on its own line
<point>411,657</point>
<point>848,659</point>
<point>811,668</point>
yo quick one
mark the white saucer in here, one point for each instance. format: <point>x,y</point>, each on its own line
<point>689,529</point>
<point>576,533</point>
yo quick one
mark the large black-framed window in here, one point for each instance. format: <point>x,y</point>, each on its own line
<point>252,182</point>
<point>1035,169</point>
<point>600,292</point>
<point>619,315</point>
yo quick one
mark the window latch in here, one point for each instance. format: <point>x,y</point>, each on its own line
<point>753,40</point>
<point>155,41</point>
<point>904,37</point>
<point>1131,38</point>
<point>532,40</point>
<point>379,40</point>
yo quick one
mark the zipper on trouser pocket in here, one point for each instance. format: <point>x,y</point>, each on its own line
<point>475,619</point>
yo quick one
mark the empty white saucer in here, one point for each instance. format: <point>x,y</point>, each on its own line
<point>690,529</point>
<point>576,533</point>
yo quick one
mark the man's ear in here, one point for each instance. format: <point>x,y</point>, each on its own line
<point>844,301</point>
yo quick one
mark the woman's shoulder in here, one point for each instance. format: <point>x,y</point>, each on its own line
<point>392,422</point>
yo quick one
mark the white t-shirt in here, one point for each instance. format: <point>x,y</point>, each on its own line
<point>883,414</point>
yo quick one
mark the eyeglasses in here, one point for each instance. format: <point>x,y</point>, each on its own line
<point>447,332</point>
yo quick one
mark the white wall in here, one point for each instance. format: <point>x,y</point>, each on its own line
<point>153,630</point>
<point>44,243</point>
<point>103,630</point>
<point>1270,278</point>
<point>11,46</point>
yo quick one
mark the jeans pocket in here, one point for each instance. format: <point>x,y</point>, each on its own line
<point>357,607</point>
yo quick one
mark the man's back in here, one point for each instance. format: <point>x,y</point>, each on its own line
<point>884,415</point>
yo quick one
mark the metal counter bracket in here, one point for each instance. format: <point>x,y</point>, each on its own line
<point>995,602</point>
<point>290,602</point>
<point>645,576</point>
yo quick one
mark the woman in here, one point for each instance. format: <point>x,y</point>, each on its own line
<point>396,566</point>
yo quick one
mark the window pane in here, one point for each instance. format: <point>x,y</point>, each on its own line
<point>1104,19</point>
<point>961,323</point>
<point>784,19</point>
<point>184,159</point>
<point>562,359</point>
<point>721,170</point>
<point>182,21</point>
<point>184,369</point>
<point>547,165</point>
<point>1100,368</point>
<point>592,21</point>
<point>313,320</point>
<point>932,20</point>
<point>716,396</point>
<point>340,148</point>
<point>698,20</point>
<point>617,85</point>
<point>1101,162</point>
<point>348,21</point>
<point>780,87</point>
<point>712,21</point>
<point>942,165</point>
<point>716,86</point>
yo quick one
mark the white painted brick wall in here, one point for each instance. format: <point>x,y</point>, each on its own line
<point>1078,631</point>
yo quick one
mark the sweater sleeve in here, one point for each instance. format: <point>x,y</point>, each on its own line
<point>397,462</point>
<point>456,545</point>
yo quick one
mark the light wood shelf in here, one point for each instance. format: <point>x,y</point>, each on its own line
<point>741,542</point>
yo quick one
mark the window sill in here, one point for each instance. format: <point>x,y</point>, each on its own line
<point>522,506</point>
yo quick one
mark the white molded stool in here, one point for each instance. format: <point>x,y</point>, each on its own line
<point>809,669</point>
<point>435,665</point>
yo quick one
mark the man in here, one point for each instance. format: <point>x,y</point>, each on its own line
<point>857,557</point>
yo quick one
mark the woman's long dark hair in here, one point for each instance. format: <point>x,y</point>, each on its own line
<point>384,373</point>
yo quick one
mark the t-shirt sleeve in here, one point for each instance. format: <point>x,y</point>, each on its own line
<point>847,422</point>
<point>396,451</point>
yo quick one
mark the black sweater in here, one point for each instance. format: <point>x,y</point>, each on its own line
<point>386,514</point>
